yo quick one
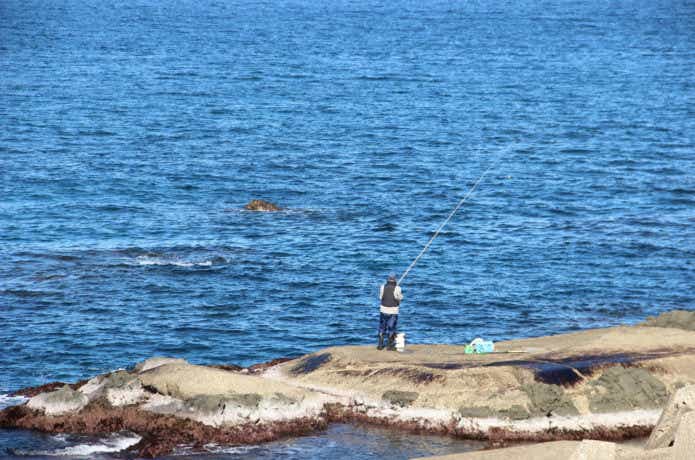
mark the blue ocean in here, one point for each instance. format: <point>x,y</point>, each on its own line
<point>132,133</point>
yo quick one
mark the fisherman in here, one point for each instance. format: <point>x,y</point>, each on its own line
<point>390,296</point>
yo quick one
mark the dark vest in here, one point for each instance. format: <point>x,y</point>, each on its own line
<point>387,299</point>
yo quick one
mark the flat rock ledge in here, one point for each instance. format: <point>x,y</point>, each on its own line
<point>673,438</point>
<point>602,385</point>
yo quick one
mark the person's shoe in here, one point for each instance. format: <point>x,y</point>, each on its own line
<point>381,342</point>
<point>392,343</point>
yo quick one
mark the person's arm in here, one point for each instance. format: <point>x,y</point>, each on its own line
<point>381,292</point>
<point>398,294</point>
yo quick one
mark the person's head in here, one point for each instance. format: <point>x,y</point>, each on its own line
<point>391,279</point>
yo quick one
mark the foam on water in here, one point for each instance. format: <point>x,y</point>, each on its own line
<point>112,444</point>
<point>149,260</point>
<point>7,400</point>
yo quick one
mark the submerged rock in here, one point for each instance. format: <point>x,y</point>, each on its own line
<point>261,205</point>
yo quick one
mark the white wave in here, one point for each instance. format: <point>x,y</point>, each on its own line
<point>236,450</point>
<point>153,260</point>
<point>114,443</point>
<point>7,400</point>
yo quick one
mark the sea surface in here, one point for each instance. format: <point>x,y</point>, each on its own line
<point>132,133</point>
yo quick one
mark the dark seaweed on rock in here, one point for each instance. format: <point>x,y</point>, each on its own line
<point>410,374</point>
<point>572,370</point>
<point>310,363</point>
<point>160,433</point>
<point>260,367</point>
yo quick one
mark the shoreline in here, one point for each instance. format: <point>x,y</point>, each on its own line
<point>604,384</point>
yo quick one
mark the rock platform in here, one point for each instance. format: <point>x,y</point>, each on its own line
<point>604,385</point>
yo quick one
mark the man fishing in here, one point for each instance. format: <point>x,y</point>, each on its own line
<point>390,296</point>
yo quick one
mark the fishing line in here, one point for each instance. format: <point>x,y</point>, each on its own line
<point>446,221</point>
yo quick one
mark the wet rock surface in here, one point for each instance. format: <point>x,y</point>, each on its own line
<point>310,363</point>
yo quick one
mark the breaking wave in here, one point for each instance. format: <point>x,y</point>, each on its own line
<point>8,400</point>
<point>113,443</point>
<point>163,260</point>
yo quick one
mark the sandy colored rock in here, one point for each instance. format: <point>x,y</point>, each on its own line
<point>156,361</point>
<point>675,436</point>
<point>545,451</point>
<point>559,450</point>
<point>680,403</point>
<point>58,402</point>
<point>594,450</point>
<point>561,382</point>
<point>677,319</point>
<point>684,445</point>
<point>219,398</point>
<point>186,381</point>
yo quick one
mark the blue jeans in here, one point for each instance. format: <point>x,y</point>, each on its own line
<point>387,324</point>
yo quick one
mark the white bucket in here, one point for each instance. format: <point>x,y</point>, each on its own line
<point>400,341</point>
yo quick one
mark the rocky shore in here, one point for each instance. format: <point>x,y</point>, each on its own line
<point>605,384</point>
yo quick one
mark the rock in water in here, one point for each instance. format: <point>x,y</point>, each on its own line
<point>261,205</point>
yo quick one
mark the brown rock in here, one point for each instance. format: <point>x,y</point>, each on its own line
<point>160,433</point>
<point>261,205</point>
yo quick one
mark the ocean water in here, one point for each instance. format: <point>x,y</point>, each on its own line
<point>132,134</point>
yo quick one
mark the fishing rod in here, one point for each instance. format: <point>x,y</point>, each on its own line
<point>446,221</point>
